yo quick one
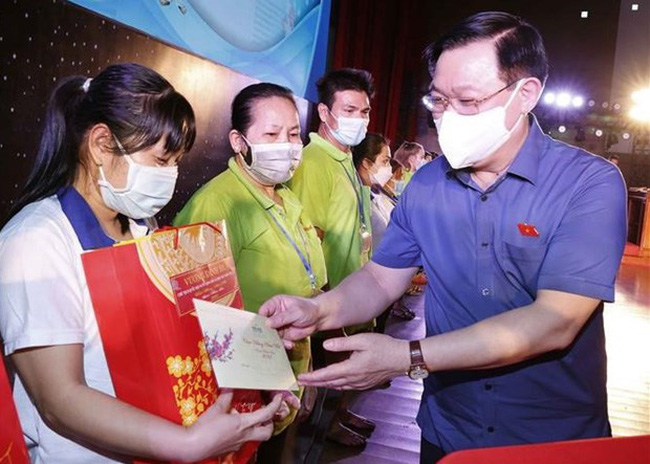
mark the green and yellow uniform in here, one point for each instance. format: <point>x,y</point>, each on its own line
<point>327,185</point>
<point>267,262</point>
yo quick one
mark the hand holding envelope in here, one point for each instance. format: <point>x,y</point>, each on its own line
<point>245,353</point>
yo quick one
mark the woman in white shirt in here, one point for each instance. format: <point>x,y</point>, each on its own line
<point>107,159</point>
<point>372,161</point>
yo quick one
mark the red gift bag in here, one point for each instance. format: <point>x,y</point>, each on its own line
<point>12,443</point>
<point>142,293</point>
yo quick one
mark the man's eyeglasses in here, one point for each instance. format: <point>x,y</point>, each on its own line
<point>467,106</point>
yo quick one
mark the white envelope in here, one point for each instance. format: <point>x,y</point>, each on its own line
<point>244,351</point>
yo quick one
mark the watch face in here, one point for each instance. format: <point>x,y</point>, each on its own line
<point>418,373</point>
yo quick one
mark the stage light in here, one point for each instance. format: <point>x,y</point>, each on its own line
<point>549,98</point>
<point>641,96</point>
<point>641,109</point>
<point>561,129</point>
<point>599,133</point>
<point>626,135</point>
<point>635,7</point>
<point>577,101</point>
<point>605,104</point>
<point>584,14</point>
<point>563,100</point>
<point>591,103</point>
<point>640,114</point>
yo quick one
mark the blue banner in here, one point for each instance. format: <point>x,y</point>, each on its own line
<point>280,41</point>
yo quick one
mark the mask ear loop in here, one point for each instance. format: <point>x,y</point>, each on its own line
<point>249,153</point>
<point>332,131</point>
<point>510,100</point>
<point>124,153</point>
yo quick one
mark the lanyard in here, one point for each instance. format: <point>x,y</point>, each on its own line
<point>362,214</point>
<point>305,260</point>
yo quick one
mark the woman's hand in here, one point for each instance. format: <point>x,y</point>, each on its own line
<point>221,430</point>
<point>289,400</point>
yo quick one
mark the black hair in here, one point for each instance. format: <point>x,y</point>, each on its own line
<point>344,79</point>
<point>519,46</point>
<point>137,104</point>
<point>369,148</point>
<point>241,111</point>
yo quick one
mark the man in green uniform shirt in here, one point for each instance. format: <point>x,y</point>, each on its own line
<point>326,181</point>
<point>336,200</point>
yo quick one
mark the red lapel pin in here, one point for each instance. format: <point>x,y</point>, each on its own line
<point>528,230</point>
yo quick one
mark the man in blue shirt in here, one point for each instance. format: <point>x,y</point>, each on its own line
<point>521,238</point>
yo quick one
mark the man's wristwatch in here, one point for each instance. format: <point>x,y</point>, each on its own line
<point>418,369</point>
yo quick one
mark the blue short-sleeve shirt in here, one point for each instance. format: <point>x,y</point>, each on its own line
<point>555,221</point>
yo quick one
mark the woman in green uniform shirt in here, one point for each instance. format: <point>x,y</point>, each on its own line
<point>275,247</point>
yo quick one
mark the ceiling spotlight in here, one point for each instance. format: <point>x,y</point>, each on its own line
<point>599,133</point>
<point>563,100</point>
<point>549,98</point>
<point>635,7</point>
<point>584,14</point>
<point>605,104</point>
<point>591,103</point>
<point>577,101</point>
<point>626,135</point>
<point>617,106</point>
<point>561,129</point>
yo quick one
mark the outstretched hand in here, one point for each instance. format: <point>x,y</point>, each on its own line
<point>375,359</point>
<point>295,318</point>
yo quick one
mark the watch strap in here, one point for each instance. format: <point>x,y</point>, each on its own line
<point>417,359</point>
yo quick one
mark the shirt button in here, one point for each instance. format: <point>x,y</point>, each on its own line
<point>488,386</point>
<point>490,429</point>
<point>484,197</point>
<point>485,291</point>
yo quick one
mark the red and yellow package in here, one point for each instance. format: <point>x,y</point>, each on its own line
<point>12,443</point>
<point>142,293</point>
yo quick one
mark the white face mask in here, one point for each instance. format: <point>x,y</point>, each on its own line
<point>382,175</point>
<point>273,163</point>
<point>467,139</point>
<point>148,189</point>
<point>351,131</point>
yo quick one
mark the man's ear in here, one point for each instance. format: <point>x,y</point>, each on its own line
<point>531,91</point>
<point>323,112</point>
<point>100,144</point>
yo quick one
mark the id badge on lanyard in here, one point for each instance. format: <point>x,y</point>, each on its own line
<point>366,239</point>
<point>364,233</point>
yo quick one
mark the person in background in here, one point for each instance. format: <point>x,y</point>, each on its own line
<point>395,185</point>
<point>521,237</point>
<point>373,162</point>
<point>338,203</point>
<point>614,159</point>
<point>274,244</point>
<point>107,159</point>
<point>411,156</point>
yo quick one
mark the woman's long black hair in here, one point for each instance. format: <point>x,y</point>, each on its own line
<point>136,103</point>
